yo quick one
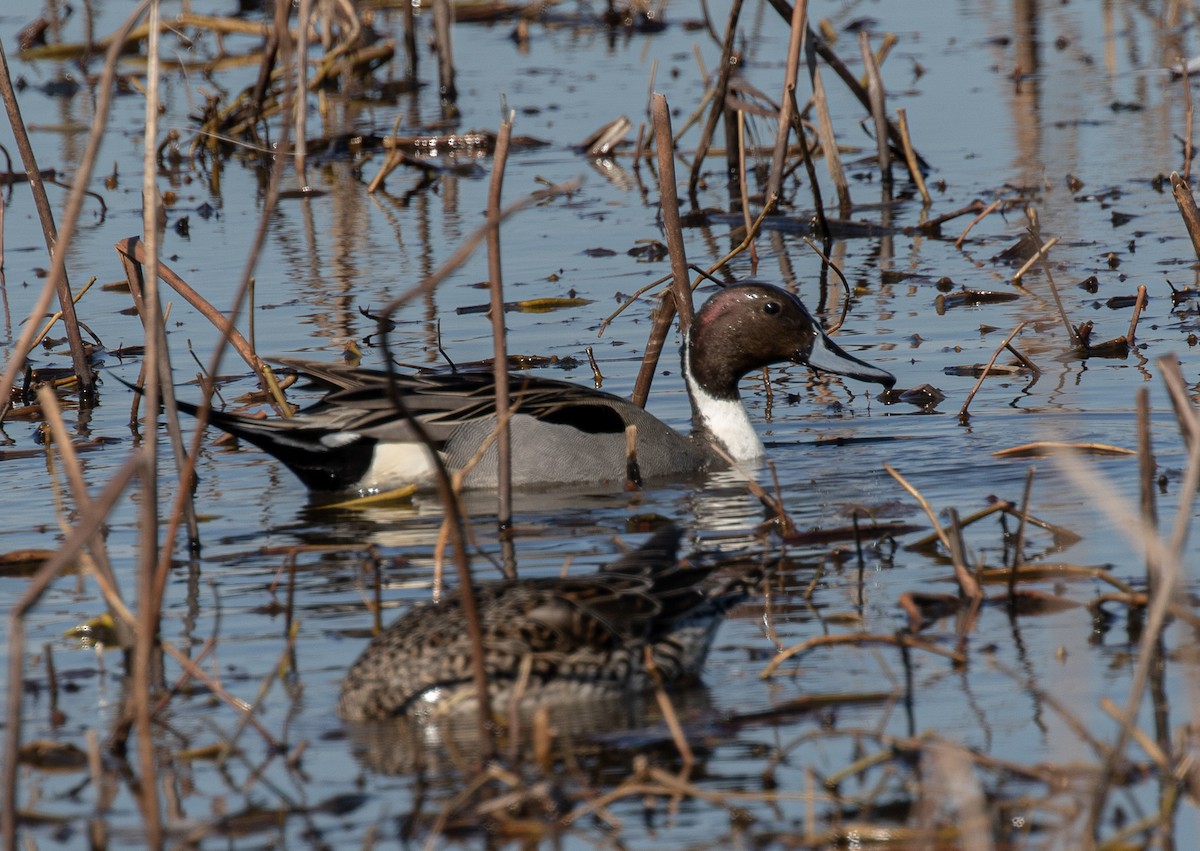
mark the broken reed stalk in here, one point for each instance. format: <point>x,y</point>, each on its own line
<point>500,351</point>
<point>1138,306</point>
<point>899,639</point>
<point>799,26</point>
<point>963,416</point>
<point>910,159</point>
<point>88,527</point>
<point>1187,208</point>
<point>876,95</point>
<point>1041,253</point>
<point>916,494</point>
<point>681,290</point>
<point>1178,393</point>
<point>1034,258</point>
<point>968,585</point>
<point>58,274</point>
<point>134,249</point>
<point>726,67</point>
<point>669,204</point>
<point>159,372</point>
<point>833,158</point>
<point>106,89</point>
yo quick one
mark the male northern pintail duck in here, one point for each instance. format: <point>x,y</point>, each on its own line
<point>555,641</point>
<point>357,440</point>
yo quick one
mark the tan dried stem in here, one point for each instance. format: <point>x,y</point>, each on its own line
<point>963,416</point>
<point>799,27</point>
<point>158,366</point>
<point>1041,254</point>
<point>1187,208</point>
<point>876,97</point>
<point>500,350</point>
<point>860,639</point>
<point>910,159</point>
<point>681,291</point>
<point>983,214</point>
<point>916,494</point>
<point>828,139</point>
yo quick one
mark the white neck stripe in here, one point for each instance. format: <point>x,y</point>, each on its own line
<point>724,421</point>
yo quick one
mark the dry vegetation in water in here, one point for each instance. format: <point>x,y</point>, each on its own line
<point>526,785</point>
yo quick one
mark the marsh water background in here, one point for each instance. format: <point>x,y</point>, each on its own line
<point>1001,104</point>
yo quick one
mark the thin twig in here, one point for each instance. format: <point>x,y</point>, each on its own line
<point>963,416</point>
<point>987,211</point>
<point>1034,258</point>
<point>875,94</point>
<point>937,527</point>
<point>1062,311</point>
<point>910,158</point>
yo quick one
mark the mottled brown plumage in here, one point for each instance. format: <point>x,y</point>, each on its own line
<point>580,638</point>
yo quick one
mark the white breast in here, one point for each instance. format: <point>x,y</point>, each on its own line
<point>729,425</point>
<point>396,465</point>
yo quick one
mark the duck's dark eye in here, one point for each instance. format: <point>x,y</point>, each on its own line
<point>771,308</point>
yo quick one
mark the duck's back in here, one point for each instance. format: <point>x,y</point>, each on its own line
<point>580,441</point>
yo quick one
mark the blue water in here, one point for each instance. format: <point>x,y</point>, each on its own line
<point>326,257</point>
